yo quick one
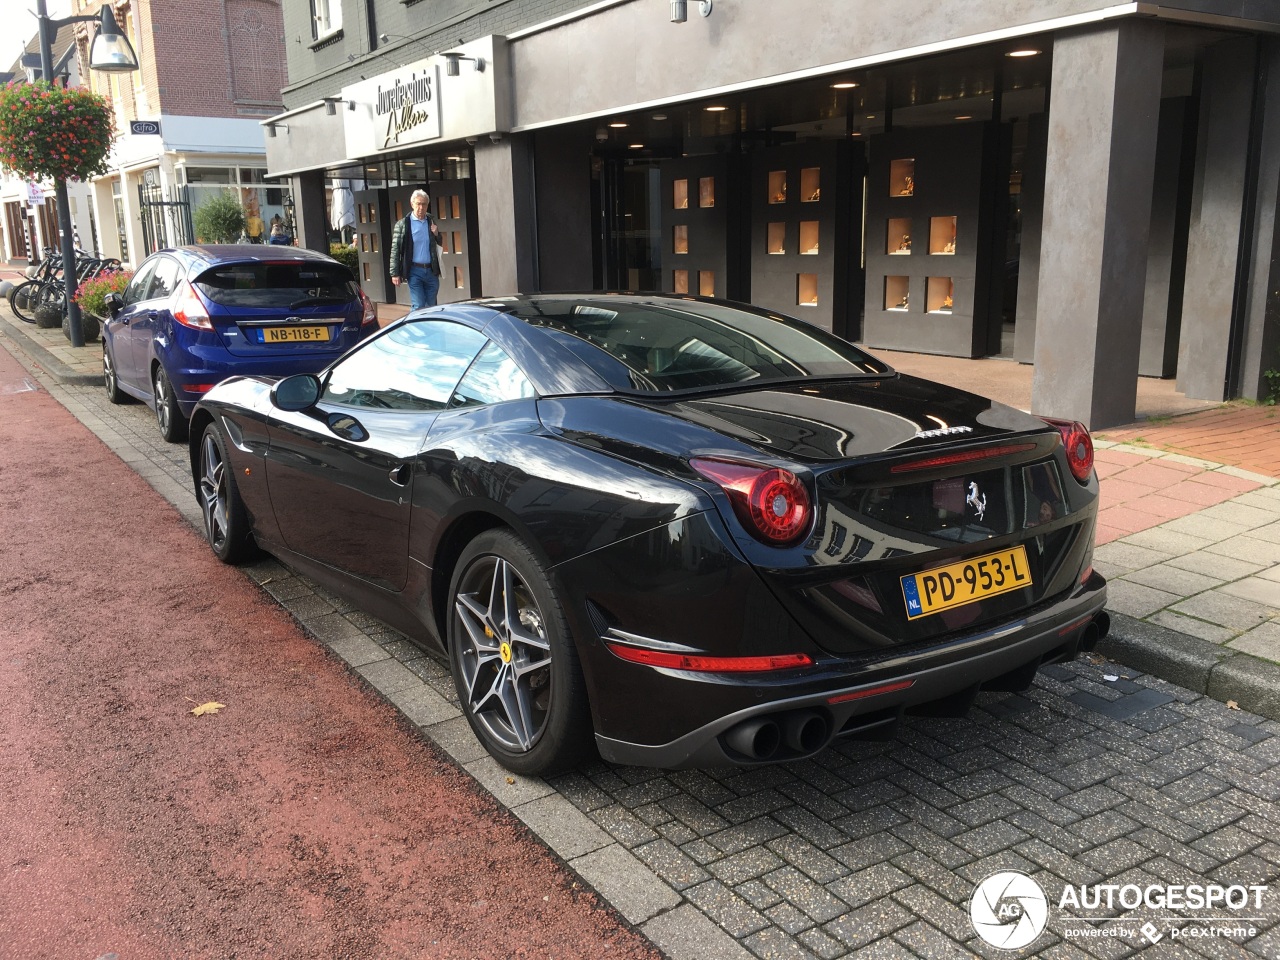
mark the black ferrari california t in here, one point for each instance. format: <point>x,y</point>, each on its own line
<point>680,532</point>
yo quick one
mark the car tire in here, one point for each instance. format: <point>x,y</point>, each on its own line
<point>226,521</point>
<point>519,684</point>
<point>173,425</point>
<point>110,379</point>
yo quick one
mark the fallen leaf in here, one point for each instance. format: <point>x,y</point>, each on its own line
<point>1232,705</point>
<point>511,779</point>
<point>1110,677</point>
<point>211,707</point>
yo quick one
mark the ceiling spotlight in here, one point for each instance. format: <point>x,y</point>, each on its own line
<point>659,116</point>
<point>1028,52</point>
<point>964,117</point>
<point>636,146</point>
<point>618,125</point>
<point>843,85</point>
<point>716,109</point>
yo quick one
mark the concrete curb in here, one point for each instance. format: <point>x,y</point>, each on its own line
<point>1217,672</point>
<point>39,355</point>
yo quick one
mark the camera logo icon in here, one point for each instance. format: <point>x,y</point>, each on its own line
<point>1009,910</point>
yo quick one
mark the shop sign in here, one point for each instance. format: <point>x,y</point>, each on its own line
<point>144,126</point>
<point>395,109</point>
<point>406,108</point>
<point>35,193</point>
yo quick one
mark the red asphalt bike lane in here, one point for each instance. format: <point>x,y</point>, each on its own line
<point>304,819</point>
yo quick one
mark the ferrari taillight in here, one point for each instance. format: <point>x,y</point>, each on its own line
<point>705,664</point>
<point>771,502</point>
<point>370,315</point>
<point>1075,437</point>
<point>189,310</point>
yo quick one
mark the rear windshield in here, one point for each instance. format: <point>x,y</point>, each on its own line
<point>288,284</point>
<point>660,346</point>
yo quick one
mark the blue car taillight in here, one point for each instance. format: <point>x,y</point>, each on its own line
<point>189,310</point>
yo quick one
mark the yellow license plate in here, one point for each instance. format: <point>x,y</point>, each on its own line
<point>294,334</point>
<point>959,583</point>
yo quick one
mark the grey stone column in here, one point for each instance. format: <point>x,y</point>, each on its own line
<point>309,212</point>
<point>506,210</point>
<point>1260,349</point>
<point>1103,116</point>
<point>1217,212</point>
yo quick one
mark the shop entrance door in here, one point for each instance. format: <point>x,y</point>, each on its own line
<point>630,204</point>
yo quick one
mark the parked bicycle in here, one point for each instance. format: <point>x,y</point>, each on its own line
<point>47,285</point>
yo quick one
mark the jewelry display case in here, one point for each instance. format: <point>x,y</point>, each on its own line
<point>806,289</point>
<point>806,235</point>
<point>680,238</point>
<point>699,247</point>
<point>809,232</point>
<point>928,193</point>
<point>777,186</point>
<point>902,178</point>
<point>777,238</point>
<point>898,236</point>
<point>897,293</point>
<point>942,235</point>
<point>940,295</point>
<point>810,184</point>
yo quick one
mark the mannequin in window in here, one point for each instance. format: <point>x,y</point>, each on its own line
<point>253,225</point>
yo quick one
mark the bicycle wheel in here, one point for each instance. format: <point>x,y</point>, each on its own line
<point>54,293</point>
<point>24,298</point>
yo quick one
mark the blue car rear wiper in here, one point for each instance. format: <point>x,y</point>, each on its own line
<point>313,301</point>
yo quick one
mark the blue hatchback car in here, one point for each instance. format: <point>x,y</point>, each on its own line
<point>193,316</point>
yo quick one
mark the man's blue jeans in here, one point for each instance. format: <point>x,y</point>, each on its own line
<point>423,287</point>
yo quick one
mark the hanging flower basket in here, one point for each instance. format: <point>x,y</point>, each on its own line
<point>50,132</point>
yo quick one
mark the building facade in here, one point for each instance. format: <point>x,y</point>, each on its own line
<point>189,118</point>
<point>1088,187</point>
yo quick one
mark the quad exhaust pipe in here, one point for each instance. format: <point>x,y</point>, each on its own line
<point>797,733</point>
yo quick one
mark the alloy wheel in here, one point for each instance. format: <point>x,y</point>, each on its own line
<point>213,492</point>
<point>108,371</point>
<point>164,412</point>
<point>506,658</point>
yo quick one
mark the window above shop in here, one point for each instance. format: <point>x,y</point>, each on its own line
<point>326,18</point>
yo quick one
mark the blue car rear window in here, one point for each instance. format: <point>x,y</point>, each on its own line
<point>290,285</point>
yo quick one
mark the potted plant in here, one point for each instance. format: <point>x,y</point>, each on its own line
<point>91,295</point>
<point>220,219</point>
<point>346,255</point>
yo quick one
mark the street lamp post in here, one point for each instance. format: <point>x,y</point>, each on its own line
<point>111,52</point>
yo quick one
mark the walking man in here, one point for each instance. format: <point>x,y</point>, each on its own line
<point>415,248</point>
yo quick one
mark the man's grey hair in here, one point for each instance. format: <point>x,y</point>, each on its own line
<point>419,193</point>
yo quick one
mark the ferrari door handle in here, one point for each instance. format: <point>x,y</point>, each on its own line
<point>400,475</point>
